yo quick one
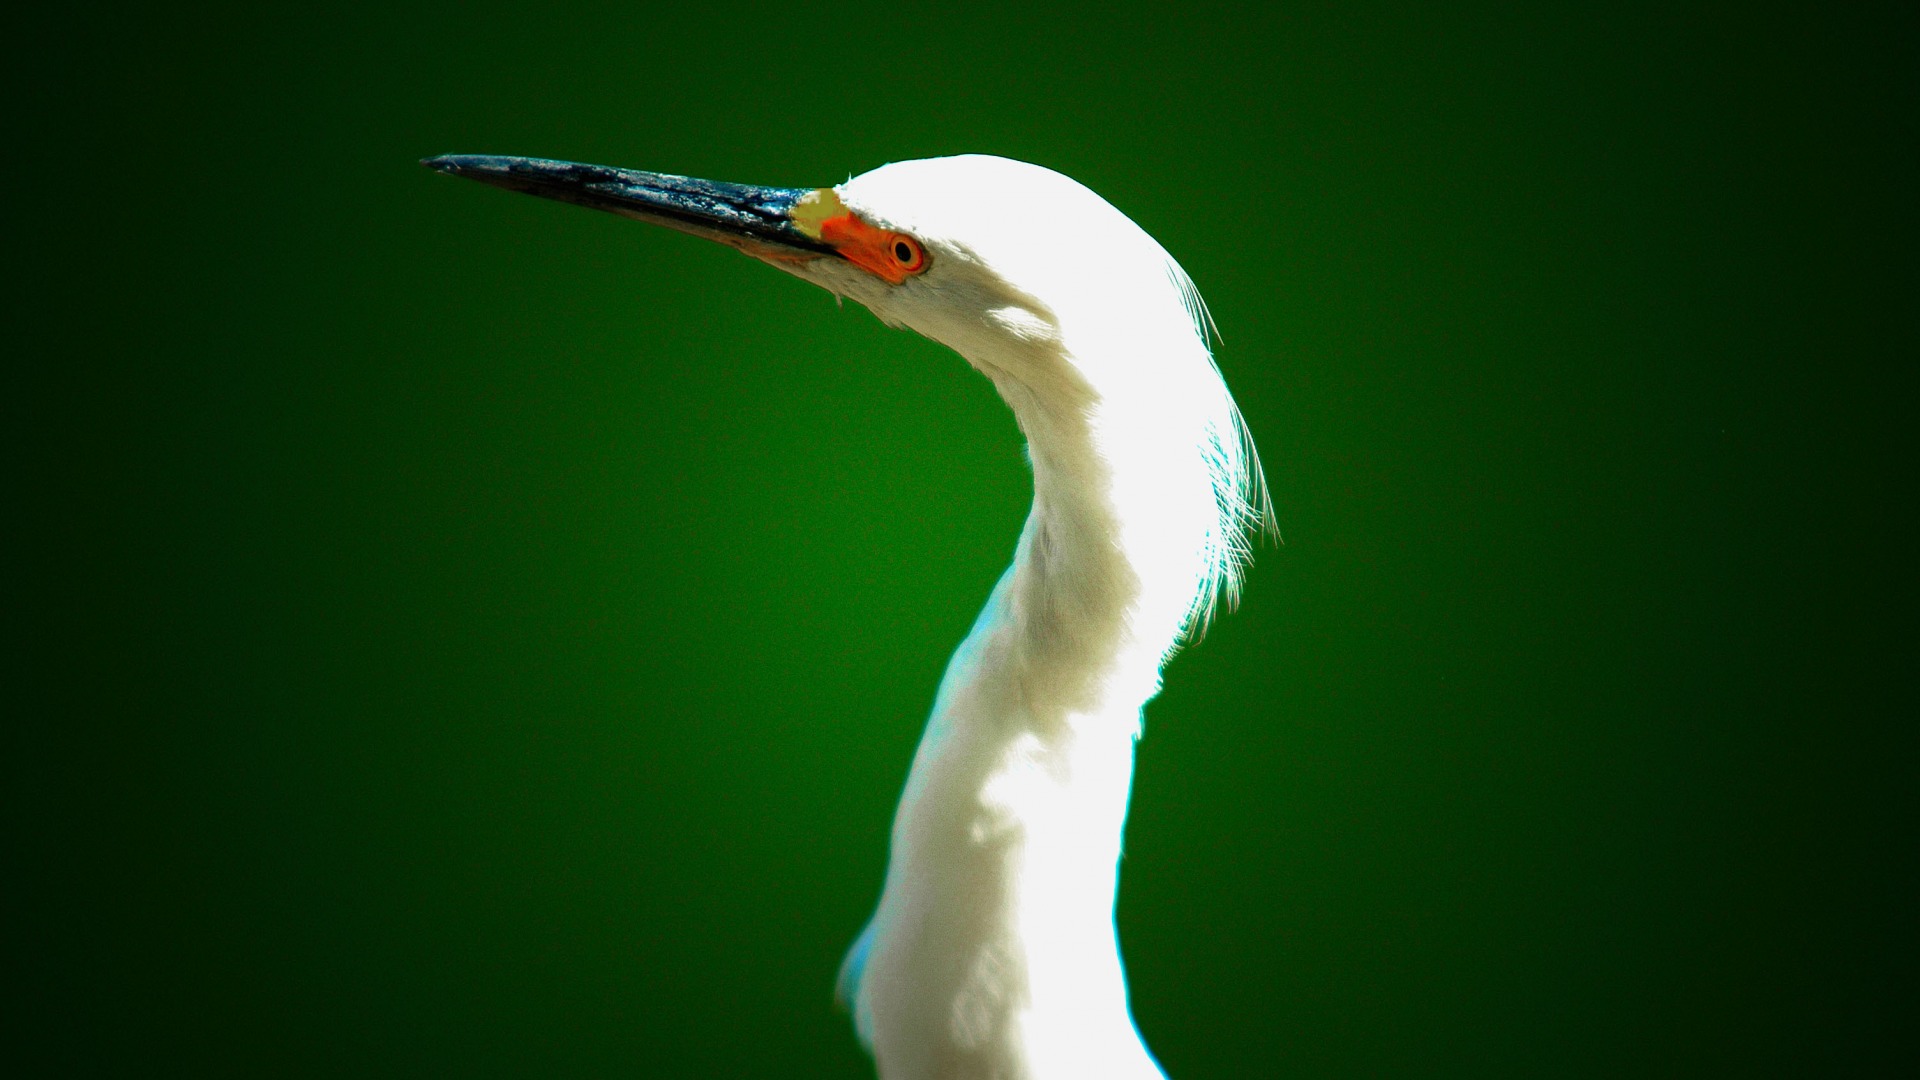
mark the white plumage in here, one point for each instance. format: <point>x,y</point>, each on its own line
<point>993,952</point>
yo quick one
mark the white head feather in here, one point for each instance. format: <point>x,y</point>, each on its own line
<point>1092,333</point>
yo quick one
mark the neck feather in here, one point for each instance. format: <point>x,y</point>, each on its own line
<point>1122,553</point>
<point>993,951</point>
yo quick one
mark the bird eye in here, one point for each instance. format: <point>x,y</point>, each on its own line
<point>908,253</point>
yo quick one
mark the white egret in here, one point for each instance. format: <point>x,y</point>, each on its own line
<point>993,952</point>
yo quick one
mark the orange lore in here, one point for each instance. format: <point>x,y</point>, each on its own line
<point>893,257</point>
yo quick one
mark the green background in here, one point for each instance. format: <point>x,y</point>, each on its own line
<point>464,635</point>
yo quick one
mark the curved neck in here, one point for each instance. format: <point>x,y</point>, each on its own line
<point>1113,552</point>
<point>993,951</point>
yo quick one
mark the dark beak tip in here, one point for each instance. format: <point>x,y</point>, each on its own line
<point>452,164</point>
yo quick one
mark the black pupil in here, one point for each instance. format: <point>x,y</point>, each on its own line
<point>902,251</point>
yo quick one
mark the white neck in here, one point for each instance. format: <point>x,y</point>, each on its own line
<point>993,950</point>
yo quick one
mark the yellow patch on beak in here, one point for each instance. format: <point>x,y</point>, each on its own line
<point>811,214</point>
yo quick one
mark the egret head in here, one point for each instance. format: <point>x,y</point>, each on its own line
<point>1001,260</point>
<point>1079,317</point>
<point>1021,270</point>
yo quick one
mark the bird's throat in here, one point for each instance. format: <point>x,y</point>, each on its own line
<point>996,925</point>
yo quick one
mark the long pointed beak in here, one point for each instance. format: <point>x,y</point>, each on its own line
<point>757,220</point>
